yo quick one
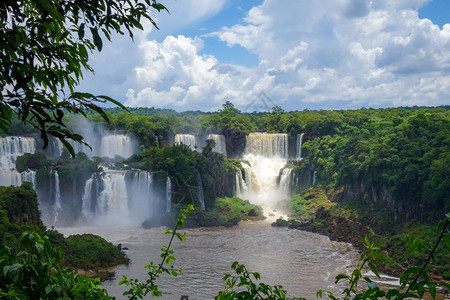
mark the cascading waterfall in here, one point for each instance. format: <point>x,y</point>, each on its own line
<point>187,139</point>
<point>168,194</point>
<point>117,144</point>
<point>285,181</point>
<point>86,199</point>
<point>113,199</point>
<point>29,176</point>
<point>106,145</point>
<point>120,195</point>
<point>265,155</point>
<point>250,183</point>
<point>57,204</point>
<point>299,146</point>
<point>140,194</point>
<point>200,195</point>
<point>10,148</point>
<point>57,147</point>
<point>220,146</point>
<point>267,144</point>
<point>239,183</point>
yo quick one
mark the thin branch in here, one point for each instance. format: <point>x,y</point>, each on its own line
<point>428,259</point>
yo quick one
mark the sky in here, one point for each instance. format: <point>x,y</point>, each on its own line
<point>296,54</point>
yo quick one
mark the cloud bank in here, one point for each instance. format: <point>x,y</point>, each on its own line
<point>346,53</point>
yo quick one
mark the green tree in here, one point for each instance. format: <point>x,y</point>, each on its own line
<point>44,50</point>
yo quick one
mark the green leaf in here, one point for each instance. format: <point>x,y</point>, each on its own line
<point>81,31</point>
<point>97,39</point>
<point>339,277</point>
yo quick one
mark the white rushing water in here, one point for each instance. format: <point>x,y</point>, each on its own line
<point>113,199</point>
<point>265,156</point>
<point>105,145</point>
<point>168,194</point>
<point>299,146</point>
<point>285,181</point>
<point>141,195</point>
<point>267,144</point>
<point>187,139</point>
<point>57,204</point>
<point>201,197</point>
<point>12,147</point>
<point>117,144</point>
<point>220,146</point>
<point>86,199</point>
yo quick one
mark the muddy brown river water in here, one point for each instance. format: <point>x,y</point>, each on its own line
<point>302,262</point>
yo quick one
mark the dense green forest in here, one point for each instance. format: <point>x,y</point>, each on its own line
<point>382,173</point>
<point>397,156</point>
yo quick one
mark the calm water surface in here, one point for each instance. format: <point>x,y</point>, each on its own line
<point>302,262</point>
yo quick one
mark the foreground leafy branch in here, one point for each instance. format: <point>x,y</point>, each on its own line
<point>138,289</point>
<point>44,51</point>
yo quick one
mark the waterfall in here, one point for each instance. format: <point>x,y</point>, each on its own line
<point>200,195</point>
<point>57,147</point>
<point>78,147</point>
<point>128,197</point>
<point>29,176</point>
<point>250,182</point>
<point>299,146</point>
<point>13,146</point>
<point>140,194</point>
<point>116,144</point>
<point>238,186</point>
<point>10,148</point>
<point>57,204</point>
<point>265,155</point>
<point>220,146</point>
<point>314,178</point>
<point>168,194</point>
<point>86,199</point>
<point>267,144</point>
<point>187,139</point>
<point>285,181</point>
<point>113,199</point>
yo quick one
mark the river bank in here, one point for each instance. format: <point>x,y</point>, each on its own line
<point>316,210</point>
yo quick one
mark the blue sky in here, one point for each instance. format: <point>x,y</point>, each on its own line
<point>302,54</point>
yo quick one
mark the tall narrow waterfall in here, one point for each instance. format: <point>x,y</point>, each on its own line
<point>86,200</point>
<point>187,139</point>
<point>238,186</point>
<point>117,144</point>
<point>10,148</point>
<point>57,204</point>
<point>220,146</point>
<point>285,181</point>
<point>200,195</point>
<point>299,146</point>
<point>168,194</point>
<point>267,144</point>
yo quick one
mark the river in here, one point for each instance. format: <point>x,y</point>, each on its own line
<point>302,262</point>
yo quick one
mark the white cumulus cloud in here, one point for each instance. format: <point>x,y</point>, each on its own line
<point>351,53</point>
